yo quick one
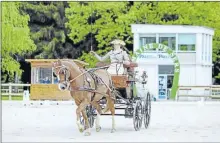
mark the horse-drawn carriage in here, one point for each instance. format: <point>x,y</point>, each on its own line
<point>134,106</point>
<point>115,83</point>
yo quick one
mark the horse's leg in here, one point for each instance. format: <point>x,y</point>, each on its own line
<point>78,111</point>
<point>99,112</point>
<point>106,109</point>
<point>112,109</point>
<point>87,130</point>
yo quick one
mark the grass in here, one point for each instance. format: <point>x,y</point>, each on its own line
<point>5,97</point>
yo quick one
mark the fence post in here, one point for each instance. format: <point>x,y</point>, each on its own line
<point>26,95</point>
<point>10,90</point>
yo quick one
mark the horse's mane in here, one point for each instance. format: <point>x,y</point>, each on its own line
<point>80,64</point>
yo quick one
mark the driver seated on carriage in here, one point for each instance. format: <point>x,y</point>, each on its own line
<point>117,56</point>
<point>120,62</point>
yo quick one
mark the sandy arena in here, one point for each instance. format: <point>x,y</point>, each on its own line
<point>170,121</point>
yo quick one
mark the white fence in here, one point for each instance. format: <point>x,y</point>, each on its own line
<point>13,89</point>
<point>185,92</point>
<point>198,92</point>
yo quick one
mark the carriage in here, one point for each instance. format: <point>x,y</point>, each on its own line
<point>136,107</point>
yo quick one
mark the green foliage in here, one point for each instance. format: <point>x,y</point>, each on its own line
<point>107,24</point>
<point>112,20</point>
<point>109,20</point>
<point>15,36</point>
<point>89,58</point>
<point>194,13</point>
<point>47,27</point>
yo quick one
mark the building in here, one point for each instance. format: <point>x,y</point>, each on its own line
<point>193,47</point>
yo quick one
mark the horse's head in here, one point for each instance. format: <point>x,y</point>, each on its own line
<point>62,71</point>
<point>65,70</point>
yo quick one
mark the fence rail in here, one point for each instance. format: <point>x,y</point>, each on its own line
<point>208,92</point>
<point>8,90</point>
<point>213,91</point>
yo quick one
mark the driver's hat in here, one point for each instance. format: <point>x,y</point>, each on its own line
<point>117,41</point>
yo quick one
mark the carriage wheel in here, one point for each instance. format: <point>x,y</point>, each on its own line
<point>90,111</point>
<point>137,115</point>
<point>147,110</point>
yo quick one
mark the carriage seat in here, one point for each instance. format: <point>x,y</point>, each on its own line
<point>131,65</point>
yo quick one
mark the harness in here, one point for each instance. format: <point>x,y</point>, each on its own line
<point>85,73</point>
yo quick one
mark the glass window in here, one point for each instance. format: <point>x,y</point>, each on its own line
<point>166,69</point>
<point>43,75</point>
<point>186,42</point>
<point>147,40</point>
<point>168,40</point>
<point>55,79</point>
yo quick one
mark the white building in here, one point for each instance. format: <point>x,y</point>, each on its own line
<point>192,45</point>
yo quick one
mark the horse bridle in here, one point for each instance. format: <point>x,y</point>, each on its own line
<point>64,69</point>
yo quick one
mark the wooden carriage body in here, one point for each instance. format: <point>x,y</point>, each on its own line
<point>122,81</point>
<point>44,83</point>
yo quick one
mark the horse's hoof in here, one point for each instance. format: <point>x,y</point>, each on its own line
<point>98,129</point>
<point>81,130</point>
<point>113,130</point>
<point>87,134</point>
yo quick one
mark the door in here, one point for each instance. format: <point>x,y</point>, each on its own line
<point>169,85</point>
<point>162,84</point>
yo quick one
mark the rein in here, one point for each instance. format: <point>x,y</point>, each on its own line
<point>83,88</point>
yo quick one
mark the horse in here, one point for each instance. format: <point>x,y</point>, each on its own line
<point>86,86</point>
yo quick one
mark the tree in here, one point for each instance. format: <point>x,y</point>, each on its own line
<point>15,36</point>
<point>112,20</point>
<point>47,27</point>
<point>105,21</point>
<point>196,13</point>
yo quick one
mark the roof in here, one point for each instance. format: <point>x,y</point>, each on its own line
<point>192,26</point>
<point>41,60</point>
<point>158,28</point>
<point>48,61</point>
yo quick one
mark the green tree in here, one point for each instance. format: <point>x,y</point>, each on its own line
<point>195,13</point>
<point>112,20</point>
<point>105,21</point>
<point>47,28</point>
<point>15,36</point>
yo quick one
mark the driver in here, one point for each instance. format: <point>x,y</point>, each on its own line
<point>117,56</point>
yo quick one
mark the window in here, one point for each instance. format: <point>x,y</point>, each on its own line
<point>168,40</point>
<point>166,69</point>
<point>43,75</point>
<point>55,79</point>
<point>147,40</point>
<point>186,42</point>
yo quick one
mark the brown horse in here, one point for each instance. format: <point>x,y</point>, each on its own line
<point>86,88</point>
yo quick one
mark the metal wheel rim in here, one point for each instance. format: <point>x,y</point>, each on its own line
<point>147,111</point>
<point>137,116</point>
